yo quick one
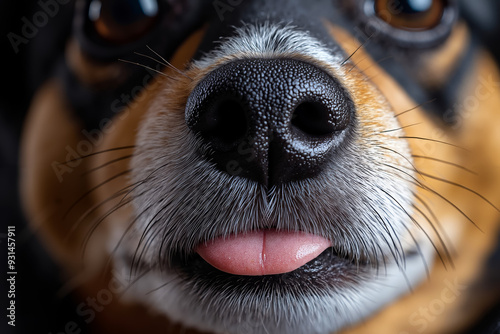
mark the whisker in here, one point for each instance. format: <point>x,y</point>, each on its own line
<point>461,186</point>
<point>439,225</point>
<point>374,254</point>
<point>116,207</point>
<point>407,160</point>
<point>416,107</point>
<point>433,140</point>
<point>88,192</point>
<point>355,51</point>
<point>450,203</point>
<point>129,189</point>
<point>402,172</point>
<point>400,128</point>
<point>120,205</point>
<point>135,185</point>
<point>97,153</point>
<point>398,247</point>
<point>151,224</point>
<point>169,64</point>
<point>417,246</point>
<point>161,62</point>
<point>148,68</point>
<point>418,183</point>
<point>407,281</point>
<point>152,58</point>
<point>384,261</point>
<point>441,241</point>
<point>127,230</point>
<point>356,65</point>
<point>422,229</point>
<point>94,208</point>
<point>94,227</point>
<point>445,162</point>
<point>425,187</point>
<point>161,286</point>
<point>107,164</point>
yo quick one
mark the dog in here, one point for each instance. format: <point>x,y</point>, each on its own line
<point>253,167</point>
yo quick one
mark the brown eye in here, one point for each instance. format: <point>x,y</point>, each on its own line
<point>122,21</point>
<point>413,15</point>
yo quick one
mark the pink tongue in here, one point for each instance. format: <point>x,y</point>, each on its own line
<point>264,252</point>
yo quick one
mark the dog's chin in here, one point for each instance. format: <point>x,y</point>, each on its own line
<point>324,295</point>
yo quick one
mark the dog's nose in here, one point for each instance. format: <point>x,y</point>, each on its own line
<point>270,120</point>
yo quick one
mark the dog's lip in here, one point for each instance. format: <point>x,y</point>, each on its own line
<point>329,270</point>
<point>263,252</point>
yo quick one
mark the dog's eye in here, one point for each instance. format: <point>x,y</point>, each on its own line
<point>416,24</point>
<point>411,14</point>
<point>122,21</point>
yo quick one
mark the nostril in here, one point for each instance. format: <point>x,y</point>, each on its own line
<point>224,123</point>
<point>313,119</point>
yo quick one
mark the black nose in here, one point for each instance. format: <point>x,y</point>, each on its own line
<point>270,120</point>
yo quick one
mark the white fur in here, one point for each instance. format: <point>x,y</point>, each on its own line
<point>268,41</point>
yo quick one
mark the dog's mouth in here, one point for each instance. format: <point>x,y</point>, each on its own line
<point>268,261</point>
<point>264,257</point>
<point>325,271</point>
<point>263,252</point>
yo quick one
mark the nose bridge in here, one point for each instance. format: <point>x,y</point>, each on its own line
<point>227,20</point>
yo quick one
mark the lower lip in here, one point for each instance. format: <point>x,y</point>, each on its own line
<point>326,272</point>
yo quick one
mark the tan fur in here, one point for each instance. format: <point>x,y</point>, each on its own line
<point>48,130</point>
<point>91,73</point>
<point>50,204</point>
<point>437,67</point>
<point>479,135</point>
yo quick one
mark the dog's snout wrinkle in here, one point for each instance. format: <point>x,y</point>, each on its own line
<point>270,120</point>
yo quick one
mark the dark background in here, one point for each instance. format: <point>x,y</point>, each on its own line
<point>38,309</point>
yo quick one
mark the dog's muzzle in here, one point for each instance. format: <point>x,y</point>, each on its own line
<point>273,121</point>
